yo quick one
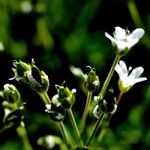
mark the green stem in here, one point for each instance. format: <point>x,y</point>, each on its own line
<point>134,13</point>
<point>21,130</point>
<point>106,83</point>
<point>75,127</point>
<point>63,132</point>
<point>95,129</point>
<point>44,96</point>
<point>86,110</point>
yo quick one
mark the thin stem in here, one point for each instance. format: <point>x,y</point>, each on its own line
<point>134,13</point>
<point>21,130</point>
<point>119,97</point>
<point>63,132</point>
<point>75,127</point>
<point>95,129</point>
<point>105,85</point>
<point>44,96</point>
<point>86,110</point>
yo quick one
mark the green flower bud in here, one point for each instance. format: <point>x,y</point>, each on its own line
<point>11,94</point>
<point>31,75</point>
<point>65,96</point>
<point>92,82</point>
<point>39,80</point>
<point>21,68</point>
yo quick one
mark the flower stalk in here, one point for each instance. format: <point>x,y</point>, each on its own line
<point>63,132</point>
<point>21,131</point>
<point>119,97</point>
<point>86,110</point>
<point>110,74</point>
<point>45,98</point>
<point>75,127</point>
<point>95,128</point>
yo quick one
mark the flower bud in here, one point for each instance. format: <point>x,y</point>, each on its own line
<point>31,75</point>
<point>21,70</point>
<point>11,94</point>
<point>108,105</point>
<point>65,96</point>
<point>92,82</point>
<point>39,80</point>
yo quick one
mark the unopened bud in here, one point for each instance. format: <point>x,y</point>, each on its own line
<point>66,96</point>
<point>11,94</point>
<point>92,82</point>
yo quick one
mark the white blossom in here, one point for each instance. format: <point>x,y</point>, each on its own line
<point>128,77</point>
<point>123,39</point>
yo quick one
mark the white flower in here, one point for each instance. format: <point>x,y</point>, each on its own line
<point>127,79</point>
<point>123,39</point>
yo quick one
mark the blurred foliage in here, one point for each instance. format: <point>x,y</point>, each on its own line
<point>59,33</point>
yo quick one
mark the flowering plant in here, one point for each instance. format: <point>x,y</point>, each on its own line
<point>59,107</point>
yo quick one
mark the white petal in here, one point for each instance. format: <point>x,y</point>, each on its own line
<point>119,33</point>
<point>137,33</point>
<point>73,91</point>
<point>123,66</point>
<point>110,37</point>
<point>136,72</point>
<point>131,42</point>
<point>137,80</point>
<point>76,71</point>
<point>121,45</point>
<point>121,69</point>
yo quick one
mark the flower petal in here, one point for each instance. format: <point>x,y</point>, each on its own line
<point>137,80</point>
<point>123,66</point>
<point>110,37</point>
<point>119,33</point>
<point>137,33</point>
<point>136,72</point>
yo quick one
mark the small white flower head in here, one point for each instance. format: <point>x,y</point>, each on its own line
<point>124,40</point>
<point>127,77</point>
